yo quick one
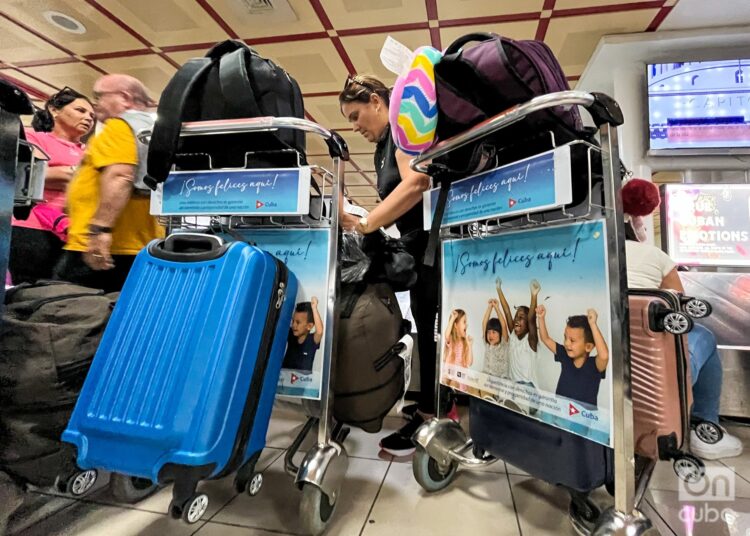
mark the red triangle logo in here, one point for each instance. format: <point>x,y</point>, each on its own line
<point>573,410</point>
<point>511,202</point>
<point>258,204</point>
<point>294,378</point>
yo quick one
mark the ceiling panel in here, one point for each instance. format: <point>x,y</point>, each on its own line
<point>42,86</point>
<point>326,111</point>
<point>315,64</point>
<point>18,45</point>
<point>359,13</point>
<point>364,50</point>
<point>356,143</point>
<point>575,4</point>
<point>167,22</point>
<point>79,76</point>
<point>573,39</point>
<point>101,33</point>
<point>152,70</point>
<point>461,9</point>
<point>291,17</point>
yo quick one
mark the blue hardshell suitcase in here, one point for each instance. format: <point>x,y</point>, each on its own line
<point>182,385</point>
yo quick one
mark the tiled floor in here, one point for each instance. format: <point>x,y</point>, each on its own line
<point>381,498</point>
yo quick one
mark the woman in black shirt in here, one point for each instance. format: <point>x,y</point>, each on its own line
<point>364,102</point>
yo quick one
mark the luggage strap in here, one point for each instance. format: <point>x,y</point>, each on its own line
<point>437,220</point>
<point>235,84</point>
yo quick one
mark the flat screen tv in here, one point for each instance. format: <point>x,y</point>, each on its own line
<point>700,107</point>
<point>706,224</point>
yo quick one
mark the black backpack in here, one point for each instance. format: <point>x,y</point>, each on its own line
<point>232,81</point>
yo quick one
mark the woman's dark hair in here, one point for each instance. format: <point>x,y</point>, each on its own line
<point>358,88</point>
<point>493,324</point>
<point>43,120</point>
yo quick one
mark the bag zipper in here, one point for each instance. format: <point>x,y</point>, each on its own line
<point>253,396</point>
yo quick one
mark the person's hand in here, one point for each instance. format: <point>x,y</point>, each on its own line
<point>491,302</point>
<point>470,339</point>
<point>535,287</point>
<point>592,315</point>
<point>314,302</point>
<point>98,256</point>
<point>349,222</point>
<point>453,316</point>
<point>498,283</point>
<point>541,311</point>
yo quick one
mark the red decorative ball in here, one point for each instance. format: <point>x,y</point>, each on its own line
<point>640,197</point>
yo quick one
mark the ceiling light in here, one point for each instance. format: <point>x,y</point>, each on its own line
<point>64,22</point>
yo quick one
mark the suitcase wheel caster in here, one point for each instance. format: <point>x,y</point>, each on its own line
<point>697,308</point>
<point>253,487</point>
<point>429,473</point>
<point>81,482</point>
<point>689,468</point>
<point>191,510</point>
<point>677,323</point>
<point>708,432</point>
<point>315,509</point>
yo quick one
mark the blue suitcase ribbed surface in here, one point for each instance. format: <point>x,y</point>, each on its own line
<point>177,379</point>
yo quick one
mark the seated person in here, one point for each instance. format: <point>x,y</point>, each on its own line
<point>650,267</point>
<point>301,344</point>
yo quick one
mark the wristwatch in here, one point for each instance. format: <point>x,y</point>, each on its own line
<point>99,229</point>
<point>363,224</point>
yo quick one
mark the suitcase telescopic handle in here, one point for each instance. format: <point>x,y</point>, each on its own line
<point>188,247</point>
<point>603,109</point>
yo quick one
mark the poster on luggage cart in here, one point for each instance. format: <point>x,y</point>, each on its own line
<point>525,324</point>
<point>305,252</point>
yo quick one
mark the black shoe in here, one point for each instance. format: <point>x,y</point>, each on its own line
<point>409,411</point>
<point>399,443</point>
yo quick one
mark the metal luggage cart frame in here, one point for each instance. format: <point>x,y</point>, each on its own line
<point>441,442</point>
<point>322,471</point>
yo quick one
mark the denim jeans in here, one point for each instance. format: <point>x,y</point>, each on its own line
<point>705,369</point>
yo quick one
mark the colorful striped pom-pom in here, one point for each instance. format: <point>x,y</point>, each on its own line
<point>413,110</point>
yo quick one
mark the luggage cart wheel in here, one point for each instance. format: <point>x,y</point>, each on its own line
<point>315,510</point>
<point>677,323</point>
<point>697,308</point>
<point>81,482</point>
<point>708,432</point>
<point>254,485</point>
<point>428,472</point>
<point>689,468</point>
<point>191,510</point>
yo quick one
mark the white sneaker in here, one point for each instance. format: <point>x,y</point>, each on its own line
<point>727,447</point>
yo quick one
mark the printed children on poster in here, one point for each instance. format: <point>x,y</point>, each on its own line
<point>526,324</point>
<point>305,252</point>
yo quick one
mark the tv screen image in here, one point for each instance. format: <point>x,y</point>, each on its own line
<point>699,105</point>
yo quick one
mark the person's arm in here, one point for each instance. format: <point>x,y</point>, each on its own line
<point>503,322</point>
<point>486,318</point>
<point>533,335</point>
<point>541,313</point>
<point>469,361</point>
<point>58,177</point>
<point>115,189</point>
<point>449,328</point>
<point>318,335</point>
<point>403,198</point>
<point>602,351</point>
<point>672,281</point>
<point>503,302</point>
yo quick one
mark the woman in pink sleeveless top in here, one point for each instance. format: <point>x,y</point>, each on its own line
<point>67,117</point>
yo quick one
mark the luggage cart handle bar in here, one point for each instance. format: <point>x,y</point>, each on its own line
<point>603,109</point>
<point>336,144</point>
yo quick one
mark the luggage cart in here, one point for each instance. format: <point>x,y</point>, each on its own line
<point>321,473</point>
<point>442,445</point>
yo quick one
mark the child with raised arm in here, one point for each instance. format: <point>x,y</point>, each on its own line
<point>302,345</point>
<point>523,338</point>
<point>581,374</point>
<point>495,341</point>
<point>457,350</point>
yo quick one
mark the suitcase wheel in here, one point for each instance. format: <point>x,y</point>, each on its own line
<point>81,482</point>
<point>697,308</point>
<point>429,473</point>
<point>677,323</point>
<point>708,432</point>
<point>315,510</point>
<point>191,510</point>
<point>254,485</point>
<point>689,468</point>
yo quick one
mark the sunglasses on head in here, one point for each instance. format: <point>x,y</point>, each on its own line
<point>356,79</point>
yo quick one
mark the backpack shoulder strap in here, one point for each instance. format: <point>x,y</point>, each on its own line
<point>235,84</point>
<point>166,133</point>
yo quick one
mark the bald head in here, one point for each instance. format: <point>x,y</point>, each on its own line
<point>117,93</point>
